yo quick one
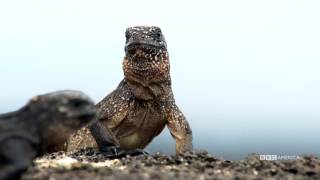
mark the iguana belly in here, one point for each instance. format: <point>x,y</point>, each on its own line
<point>142,124</point>
<point>132,141</point>
<point>139,139</point>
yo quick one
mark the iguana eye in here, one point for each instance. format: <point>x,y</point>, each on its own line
<point>158,34</point>
<point>127,34</point>
<point>77,103</point>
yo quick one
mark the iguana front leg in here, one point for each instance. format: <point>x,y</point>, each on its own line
<point>104,139</point>
<point>102,135</point>
<point>180,130</point>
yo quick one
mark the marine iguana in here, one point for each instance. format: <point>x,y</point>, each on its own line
<point>41,126</point>
<point>143,103</point>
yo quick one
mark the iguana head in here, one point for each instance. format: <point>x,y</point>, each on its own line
<point>146,55</point>
<point>62,109</point>
<point>148,39</point>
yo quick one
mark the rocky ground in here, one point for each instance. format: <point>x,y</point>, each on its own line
<point>90,164</point>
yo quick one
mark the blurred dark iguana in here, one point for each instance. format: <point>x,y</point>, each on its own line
<point>42,126</point>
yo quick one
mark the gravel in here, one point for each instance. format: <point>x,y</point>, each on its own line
<point>92,165</point>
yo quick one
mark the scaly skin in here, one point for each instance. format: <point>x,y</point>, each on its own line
<point>143,103</point>
<point>41,126</point>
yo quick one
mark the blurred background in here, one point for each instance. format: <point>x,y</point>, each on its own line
<point>245,73</point>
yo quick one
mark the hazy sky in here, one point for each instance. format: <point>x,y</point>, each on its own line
<point>245,73</point>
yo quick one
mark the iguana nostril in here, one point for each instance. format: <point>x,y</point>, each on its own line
<point>131,50</point>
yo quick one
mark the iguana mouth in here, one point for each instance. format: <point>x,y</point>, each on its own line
<point>147,48</point>
<point>85,116</point>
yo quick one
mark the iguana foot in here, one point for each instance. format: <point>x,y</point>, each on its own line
<point>137,152</point>
<point>112,151</point>
<point>117,152</point>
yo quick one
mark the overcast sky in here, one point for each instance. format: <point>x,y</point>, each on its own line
<point>243,72</point>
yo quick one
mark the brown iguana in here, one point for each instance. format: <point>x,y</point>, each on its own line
<point>143,103</point>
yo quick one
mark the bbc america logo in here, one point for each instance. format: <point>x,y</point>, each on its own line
<point>268,157</point>
<point>278,157</point>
